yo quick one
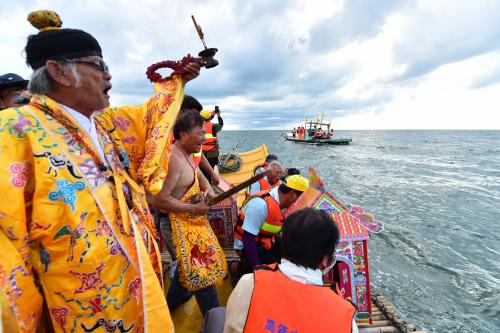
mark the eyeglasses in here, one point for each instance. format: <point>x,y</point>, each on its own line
<point>99,64</point>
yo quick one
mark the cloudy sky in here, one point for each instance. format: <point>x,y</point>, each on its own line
<point>364,64</point>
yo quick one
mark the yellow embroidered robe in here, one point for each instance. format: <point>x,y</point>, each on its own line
<point>75,245</point>
<point>200,258</point>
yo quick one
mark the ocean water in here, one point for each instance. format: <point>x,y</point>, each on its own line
<point>438,194</point>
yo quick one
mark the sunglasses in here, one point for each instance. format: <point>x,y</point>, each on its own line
<point>99,64</point>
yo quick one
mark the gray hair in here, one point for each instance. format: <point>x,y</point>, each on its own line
<point>273,163</point>
<point>41,83</point>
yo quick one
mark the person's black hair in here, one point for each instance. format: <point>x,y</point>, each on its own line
<point>308,236</point>
<point>292,171</point>
<point>285,189</point>
<point>186,122</point>
<point>190,102</point>
<point>271,157</point>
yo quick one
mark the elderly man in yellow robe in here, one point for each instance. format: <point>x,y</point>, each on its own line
<point>77,242</point>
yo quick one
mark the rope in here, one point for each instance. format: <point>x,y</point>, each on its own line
<point>231,163</point>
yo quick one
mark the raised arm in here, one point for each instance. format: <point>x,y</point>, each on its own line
<point>142,131</point>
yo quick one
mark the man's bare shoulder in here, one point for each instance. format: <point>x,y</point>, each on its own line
<point>175,155</point>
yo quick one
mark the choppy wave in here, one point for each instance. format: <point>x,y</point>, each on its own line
<point>438,193</point>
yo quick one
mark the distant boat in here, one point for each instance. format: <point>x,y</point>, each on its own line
<point>315,133</point>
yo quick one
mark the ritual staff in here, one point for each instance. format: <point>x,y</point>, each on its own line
<point>260,221</point>
<point>290,297</point>
<point>77,242</point>
<point>270,181</point>
<point>200,259</point>
<point>13,91</point>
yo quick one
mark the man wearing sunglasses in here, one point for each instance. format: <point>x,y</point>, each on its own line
<point>77,241</point>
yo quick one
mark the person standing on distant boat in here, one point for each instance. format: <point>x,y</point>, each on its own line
<point>270,181</point>
<point>319,133</point>
<point>290,297</point>
<point>211,145</point>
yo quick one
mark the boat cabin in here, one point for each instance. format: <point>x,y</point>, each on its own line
<point>317,130</point>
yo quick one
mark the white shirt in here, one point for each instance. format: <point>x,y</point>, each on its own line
<point>301,274</point>
<point>255,215</point>
<point>88,125</point>
<point>238,304</point>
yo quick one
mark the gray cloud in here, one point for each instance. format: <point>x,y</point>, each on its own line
<point>437,36</point>
<point>357,21</point>
<point>271,70</point>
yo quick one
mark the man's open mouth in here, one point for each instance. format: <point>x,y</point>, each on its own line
<point>106,90</point>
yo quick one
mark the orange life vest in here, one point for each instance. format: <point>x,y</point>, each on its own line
<point>197,158</point>
<point>272,225</point>
<point>264,185</point>
<point>280,304</point>
<point>211,141</point>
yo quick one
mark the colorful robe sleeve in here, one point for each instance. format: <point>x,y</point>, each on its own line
<point>143,132</point>
<point>17,280</point>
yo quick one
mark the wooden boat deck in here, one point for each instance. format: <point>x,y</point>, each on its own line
<point>385,318</point>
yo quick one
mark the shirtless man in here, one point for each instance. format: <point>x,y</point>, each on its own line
<point>182,198</point>
<point>189,137</point>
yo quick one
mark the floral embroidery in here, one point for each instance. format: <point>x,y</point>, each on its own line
<point>129,140</point>
<point>121,123</point>
<point>21,172</point>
